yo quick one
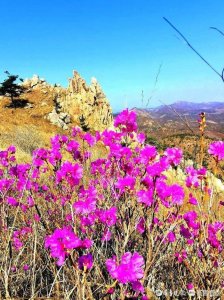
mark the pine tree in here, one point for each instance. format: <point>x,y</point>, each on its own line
<point>10,88</point>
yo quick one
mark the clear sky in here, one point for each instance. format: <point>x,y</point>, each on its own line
<point>121,42</point>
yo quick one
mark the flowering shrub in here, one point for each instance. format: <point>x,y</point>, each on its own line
<point>130,270</point>
<point>114,227</point>
<point>217,150</point>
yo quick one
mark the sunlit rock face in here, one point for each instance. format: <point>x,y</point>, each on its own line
<point>80,104</point>
<point>84,103</point>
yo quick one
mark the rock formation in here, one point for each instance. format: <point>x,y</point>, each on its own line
<point>35,82</point>
<point>79,104</point>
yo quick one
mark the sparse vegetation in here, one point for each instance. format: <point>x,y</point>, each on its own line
<point>25,138</point>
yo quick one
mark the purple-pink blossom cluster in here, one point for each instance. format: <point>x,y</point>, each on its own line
<point>111,213</point>
<point>217,150</point>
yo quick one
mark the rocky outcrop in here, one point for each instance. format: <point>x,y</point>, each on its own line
<point>85,104</point>
<point>60,119</point>
<point>78,104</point>
<point>36,82</point>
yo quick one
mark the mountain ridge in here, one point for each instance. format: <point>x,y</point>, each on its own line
<point>182,117</point>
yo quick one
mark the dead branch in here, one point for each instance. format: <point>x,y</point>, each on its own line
<point>221,75</point>
<point>222,33</point>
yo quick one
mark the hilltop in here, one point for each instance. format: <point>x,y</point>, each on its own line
<point>45,110</point>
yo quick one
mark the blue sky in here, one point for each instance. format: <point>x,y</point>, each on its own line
<point>121,42</point>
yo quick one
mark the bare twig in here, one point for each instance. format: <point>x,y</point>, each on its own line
<point>221,75</point>
<point>155,84</point>
<point>221,32</point>
<point>142,98</point>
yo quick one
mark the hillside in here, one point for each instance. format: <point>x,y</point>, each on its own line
<point>181,117</point>
<point>176,125</point>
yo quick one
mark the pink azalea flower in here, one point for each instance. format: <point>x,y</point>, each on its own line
<point>213,229</point>
<point>199,253</point>
<point>109,216</point>
<point>26,267</point>
<point>148,153</point>
<point>72,146</point>
<point>141,137</point>
<point>87,155</point>
<point>194,176</point>
<point>190,286</point>
<point>85,261</point>
<point>23,207</point>
<point>86,244</point>
<point>61,242</point>
<point>157,168</point>
<point>177,194</point>
<point>85,207</point>
<point>174,155</point>
<point>110,291</point>
<point>69,172</point>
<point>98,166</point>
<point>181,256</point>
<point>91,140</point>
<point>76,130</point>
<point>11,149</point>
<point>39,157</point>
<point>190,242</point>
<point>129,270</point>
<point>170,195</point>
<point>125,182</point>
<point>106,236</point>
<point>88,220</point>
<point>171,237</point>
<point>13,269</point>
<point>126,120</point>
<point>17,243</point>
<point>5,184</point>
<point>30,201</point>
<point>19,236</point>
<point>147,181</point>
<point>141,226</point>
<point>36,218</point>
<point>12,201</point>
<point>110,137</point>
<point>190,218</point>
<point>63,139</point>
<point>54,156</point>
<point>185,232</point>
<point>193,200</point>
<point>137,286</point>
<point>145,197</point>
<point>217,149</point>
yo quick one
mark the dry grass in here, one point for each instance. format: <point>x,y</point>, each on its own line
<point>27,128</point>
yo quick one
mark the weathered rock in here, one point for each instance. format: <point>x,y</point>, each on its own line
<point>87,102</point>
<point>77,104</point>
<point>34,82</point>
<point>60,119</point>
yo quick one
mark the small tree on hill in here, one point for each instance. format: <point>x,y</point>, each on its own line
<point>10,88</point>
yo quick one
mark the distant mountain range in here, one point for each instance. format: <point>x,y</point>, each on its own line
<point>181,117</point>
